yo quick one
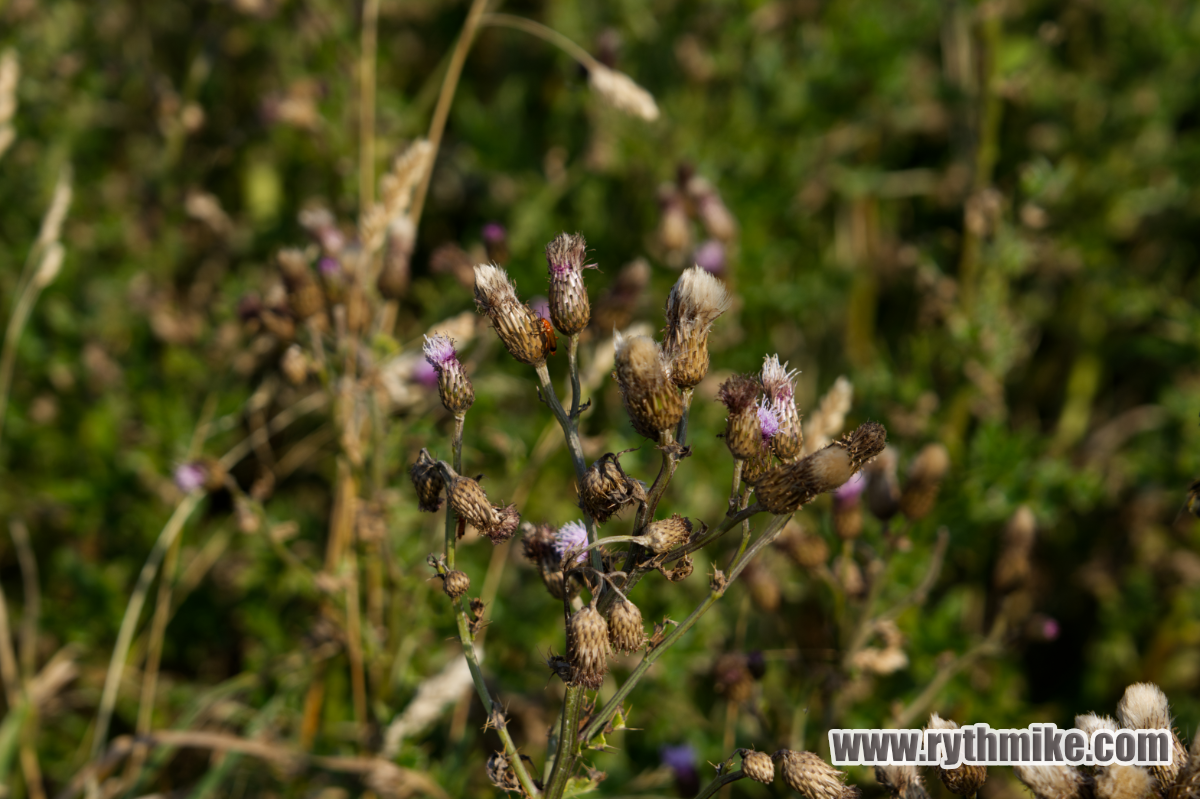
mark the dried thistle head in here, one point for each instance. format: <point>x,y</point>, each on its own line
<point>540,547</point>
<point>785,488</point>
<point>1144,706</point>
<point>454,387</point>
<point>968,778</point>
<point>570,310</point>
<point>471,503</point>
<point>587,647</point>
<point>882,493</point>
<point>510,519</point>
<point>666,534</point>
<point>1052,781</point>
<point>1187,782</point>
<point>626,632</point>
<point>808,774</point>
<point>902,781</point>
<point>305,297</point>
<point>1117,781</point>
<point>743,429</point>
<point>455,583</point>
<point>924,480</point>
<point>501,774</point>
<point>1013,566</point>
<point>780,387</point>
<point>758,766</point>
<point>651,399</point>
<point>695,302</point>
<point>1093,722</point>
<point>606,488</point>
<point>427,479</point>
<point>517,325</point>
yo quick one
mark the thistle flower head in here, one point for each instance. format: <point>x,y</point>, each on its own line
<point>738,393</point>
<point>1052,781</point>
<point>807,773</point>
<point>1092,722</point>
<point>439,350</point>
<point>454,386</point>
<point>651,400</point>
<point>626,632</point>
<point>518,326</point>
<point>570,310</point>
<point>606,488</point>
<point>768,421</point>
<point>1144,707</point>
<point>785,488</point>
<point>901,781</point>
<point>743,426</point>
<point>758,766</point>
<point>587,647</point>
<point>455,583</point>
<point>695,302</point>
<point>666,534</point>
<point>777,381</point>
<point>427,479</point>
<point>571,537</point>
<point>779,385</point>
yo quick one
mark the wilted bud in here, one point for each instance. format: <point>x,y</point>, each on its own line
<point>666,534</point>
<point>733,678</point>
<point>500,773</point>
<point>454,387</point>
<point>967,779</point>
<point>397,258</point>
<point>779,385</point>
<point>901,781</point>
<point>468,500</point>
<point>304,294</point>
<point>294,365</point>
<point>785,488</point>
<point>924,479</point>
<point>626,632</point>
<point>455,583</point>
<point>651,399</point>
<point>883,488</point>
<point>743,433</point>
<point>541,548</point>
<point>427,479</point>
<point>587,647</point>
<point>758,766</point>
<point>569,307</point>
<point>1013,566</point>
<point>517,325</point>
<point>695,302</point>
<point>510,519</point>
<point>1144,707</point>
<point>807,773</point>
<point>605,488</point>
<point>1052,782</point>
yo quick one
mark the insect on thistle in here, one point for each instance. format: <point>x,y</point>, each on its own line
<point>549,339</point>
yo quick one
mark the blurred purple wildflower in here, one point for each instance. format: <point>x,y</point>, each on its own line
<point>710,256</point>
<point>439,350</point>
<point>847,495</point>
<point>540,306</point>
<point>424,373</point>
<point>330,267</point>
<point>190,476</point>
<point>493,233</point>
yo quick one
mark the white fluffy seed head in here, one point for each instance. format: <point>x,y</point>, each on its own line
<point>1144,707</point>
<point>1092,722</point>
<point>697,295</point>
<point>493,287</point>
<point>936,722</point>
<point>1051,782</point>
<point>1124,782</point>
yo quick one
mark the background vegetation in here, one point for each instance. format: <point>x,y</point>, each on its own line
<point>983,214</point>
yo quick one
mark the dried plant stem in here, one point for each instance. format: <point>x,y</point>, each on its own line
<point>770,532</point>
<point>441,111</point>
<point>457,451</point>
<point>573,361</point>
<point>720,782</point>
<point>542,32</point>
<point>366,104</point>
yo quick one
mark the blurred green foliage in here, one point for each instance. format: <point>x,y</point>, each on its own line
<point>984,214</point>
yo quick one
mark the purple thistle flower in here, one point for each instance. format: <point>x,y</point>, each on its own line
<point>768,421</point>
<point>330,267</point>
<point>425,374</point>
<point>680,759</point>
<point>190,476</point>
<point>540,306</point>
<point>847,495</point>
<point>439,351</point>
<point>493,233</point>
<point>710,256</point>
<point>571,537</point>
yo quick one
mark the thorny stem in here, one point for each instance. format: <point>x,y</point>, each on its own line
<point>568,742</point>
<point>770,532</point>
<point>720,782</point>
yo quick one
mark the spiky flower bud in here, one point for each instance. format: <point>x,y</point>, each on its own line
<point>883,489</point>
<point>807,773</point>
<point>1052,782</point>
<point>968,778</point>
<point>626,632</point>
<point>569,306</point>
<point>901,781</point>
<point>427,479</point>
<point>695,302</point>
<point>666,534</point>
<point>304,293</point>
<point>501,774</point>
<point>454,386</point>
<point>743,431</point>
<point>455,583</point>
<point>605,488</point>
<point>758,766</point>
<point>1013,566</point>
<point>924,479</point>
<point>1144,707</point>
<point>780,387</point>
<point>651,400</point>
<point>517,325</point>
<point>785,488</point>
<point>469,501</point>
<point>754,468</point>
<point>510,519</point>
<point>587,647</point>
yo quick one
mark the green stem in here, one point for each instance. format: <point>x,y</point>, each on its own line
<point>450,525</point>
<point>682,430</point>
<point>568,742</point>
<point>573,361</point>
<point>720,782</point>
<point>542,32</point>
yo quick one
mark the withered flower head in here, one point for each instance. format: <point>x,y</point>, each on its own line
<point>807,773</point>
<point>606,489</point>
<point>469,501</point>
<point>695,302</point>
<point>666,534</point>
<point>541,548</point>
<point>651,399</point>
<point>758,766</point>
<point>517,325</point>
<point>569,306</point>
<point>1144,707</point>
<point>779,385</point>
<point>587,647</point>
<point>883,488</point>
<point>924,479</point>
<point>455,583</point>
<point>743,430</point>
<point>501,774</point>
<point>510,519</point>
<point>304,293</point>
<point>1052,781</point>
<point>454,386</point>
<point>901,781</point>
<point>571,538</point>
<point>785,488</point>
<point>427,479</point>
<point>967,779</point>
<point>626,632</point>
